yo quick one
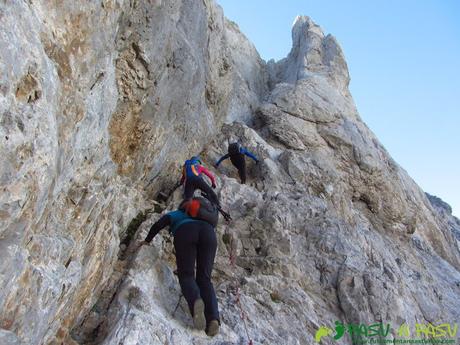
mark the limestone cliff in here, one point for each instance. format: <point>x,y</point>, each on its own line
<point>101,101</point>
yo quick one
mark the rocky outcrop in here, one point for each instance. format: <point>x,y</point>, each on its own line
<point>329,228</point>
<point>101,102</point>
<point>182,69</point>
<point>62,203</point>
<point>444,213</point>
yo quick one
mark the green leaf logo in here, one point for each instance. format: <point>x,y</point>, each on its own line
<point>323,331</point>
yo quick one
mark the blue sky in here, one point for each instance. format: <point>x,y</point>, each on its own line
<point>404,62</point>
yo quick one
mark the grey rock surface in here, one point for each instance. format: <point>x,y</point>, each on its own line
<point>100,103</point>
<point>444,212</point>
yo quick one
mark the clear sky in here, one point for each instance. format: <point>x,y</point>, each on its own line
<point>404,62</point>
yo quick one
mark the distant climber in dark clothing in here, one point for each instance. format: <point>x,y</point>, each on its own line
<point>191,176</point>
<point>194,242</point>
<point>236,154</point>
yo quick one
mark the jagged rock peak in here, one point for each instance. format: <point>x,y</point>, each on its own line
<point>304,24</point>
<point>312,53</point>
<point>437,202</point>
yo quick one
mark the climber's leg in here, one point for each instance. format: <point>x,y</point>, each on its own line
<point>200,184</point>
<point>189,188</point>
<point>207,246</point>
<point>239,162</point>
<point>185,244</point>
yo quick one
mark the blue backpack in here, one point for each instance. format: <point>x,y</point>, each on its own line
<point>191,167</point>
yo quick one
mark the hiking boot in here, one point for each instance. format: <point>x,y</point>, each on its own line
<point>213,328</point>
<point>199,321</point>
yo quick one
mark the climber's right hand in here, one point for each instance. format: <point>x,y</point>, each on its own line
<point>227,217</point>
<point>142,243</point>
<point>214,186</point>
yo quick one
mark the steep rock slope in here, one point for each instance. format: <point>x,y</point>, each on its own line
<point>101,102</point>
<point>329,228</point>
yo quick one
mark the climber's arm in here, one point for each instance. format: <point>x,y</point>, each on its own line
<point>224,157</point>
<point>208,174</point>
<point>249,154</point>
<point>159,224</point>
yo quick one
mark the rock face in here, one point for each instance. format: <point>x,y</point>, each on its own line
<point>101,102</point>
<point>444,211</point>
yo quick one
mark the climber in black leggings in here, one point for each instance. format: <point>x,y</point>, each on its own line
<point>195,242</point>
<point>237,154</point>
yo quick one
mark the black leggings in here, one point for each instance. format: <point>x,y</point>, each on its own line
<point>196,242</point>
<point>193,183</point>
<point>239,162</point>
